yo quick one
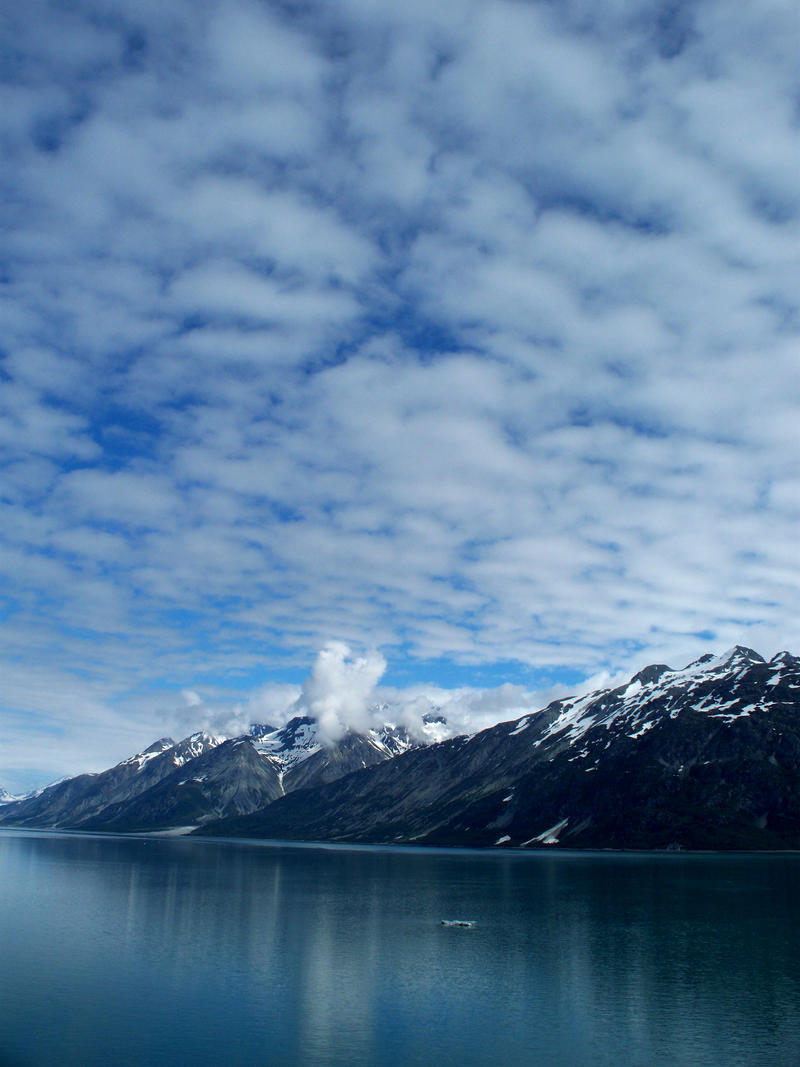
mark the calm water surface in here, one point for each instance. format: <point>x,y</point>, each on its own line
<point>171,951</point>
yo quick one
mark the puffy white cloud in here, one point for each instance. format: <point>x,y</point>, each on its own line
<point>339,689</point>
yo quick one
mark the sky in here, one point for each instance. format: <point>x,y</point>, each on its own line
<point>449,350</point>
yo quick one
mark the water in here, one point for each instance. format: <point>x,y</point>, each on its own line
<point>168,951</point>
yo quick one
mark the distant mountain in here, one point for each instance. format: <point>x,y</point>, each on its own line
<point>704,757</point>
<point>204,777</point>
<point>225,780</point>
<point>76,801</point>
<point>304,759</point>
<point>6,797</point>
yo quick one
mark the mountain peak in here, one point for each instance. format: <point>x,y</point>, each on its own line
<point>701,661</point>
<point>783,659</point>
<point>261,729</point>
<point>161,745</point>
<point>651,673</point>
<point>194,745</point>
<point>740,653</point>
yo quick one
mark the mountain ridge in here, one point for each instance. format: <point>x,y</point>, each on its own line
<point>623,768</point>
<point>171,783</point>
<point>707,756</point>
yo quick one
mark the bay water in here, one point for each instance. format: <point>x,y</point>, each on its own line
<point>148,950</point>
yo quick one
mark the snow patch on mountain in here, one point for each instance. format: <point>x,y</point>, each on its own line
<point>195,745</point>
<point>156,749</point>
<point>302,737</point>
<point>656,692</point>
<point>295,742</point>
<point>548,837</point>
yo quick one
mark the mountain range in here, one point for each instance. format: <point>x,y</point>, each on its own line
<point>204,777</point>
<point>706,757</point>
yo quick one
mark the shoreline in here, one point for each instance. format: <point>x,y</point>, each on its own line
<point>397,848</point>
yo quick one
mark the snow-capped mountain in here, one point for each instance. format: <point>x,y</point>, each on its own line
<point>225,779</point>
<point>703,757</point>
<point>6,797</point>
<point>301,738</point>
<point>726,687</point>
<point>75,801</point>
<point>204,777</point>
<point>303,757</point>
<point>289,745</point>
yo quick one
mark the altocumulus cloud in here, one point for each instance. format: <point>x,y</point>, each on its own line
<point>466,332</point>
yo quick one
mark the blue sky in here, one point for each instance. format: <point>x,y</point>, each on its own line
<point>465,334</point>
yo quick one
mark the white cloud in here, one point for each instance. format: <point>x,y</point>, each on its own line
<point>465,332</point>
<point>338,692</point>
<point>254,51</point>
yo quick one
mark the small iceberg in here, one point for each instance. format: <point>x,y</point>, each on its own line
<point>458,922</point>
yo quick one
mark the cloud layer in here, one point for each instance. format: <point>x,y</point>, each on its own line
<point>467,331</point>
<point>342,693</point>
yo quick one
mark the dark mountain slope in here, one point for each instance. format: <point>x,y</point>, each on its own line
<point>230,779</point>
<point>145,791</point>
<point>706,757</point>
<point>353,753</point>
<point>305,759</point>
<point>73,801</point>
